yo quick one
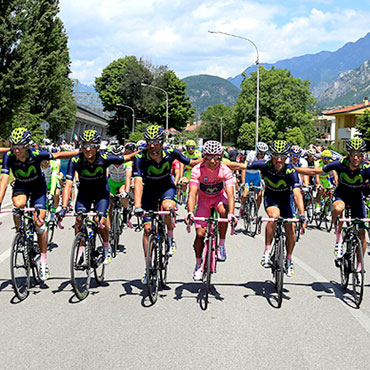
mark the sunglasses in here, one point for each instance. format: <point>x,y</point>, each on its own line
<point>357,154</point>
<point>18,147</point>
<point>210,157</point>
<point>153,142</point>
<point>91,146</point>
<point>296,155</point>
<point>279,156</point>
<point>190,147</point>
<point>326,158</point>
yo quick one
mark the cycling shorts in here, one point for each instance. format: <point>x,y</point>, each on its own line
<point>100,200</point>
<point>115,186</point>
<point>150,199</point>
<point>48,185</point>
<point>252,178</point>
<point>326,184</point>
<point>285,204</point>
<point>205,204</point>
<point>36,193</point>
<point>187,174</point>
<point>355,203</point>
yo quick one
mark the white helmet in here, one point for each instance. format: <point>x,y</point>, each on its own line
<point>213,147</point>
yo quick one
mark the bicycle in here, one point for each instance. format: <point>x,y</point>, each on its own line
<point>352,257</point>
<point>209,254</point>
<point>278,252</point>
<point>117,224</point>
<point>86,256</point>
<point>157,256</point>
<point>326,210</point>
<point>51,224</point>
<point>25,254</point>
<point>309,202</point>
<point>250,211</point>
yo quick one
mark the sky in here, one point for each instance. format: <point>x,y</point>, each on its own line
<point>175,32</point>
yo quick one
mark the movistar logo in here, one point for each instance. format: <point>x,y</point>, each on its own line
<point>36,152</point>
<point>86,172</point>
<point>30,171</point>
<point>366,165</point>
<point>353,181</point>
<point>104,156</point>
<point>76,160</point>
<point>289,171</point>
<point>158,171</point>
<point>279,184</point>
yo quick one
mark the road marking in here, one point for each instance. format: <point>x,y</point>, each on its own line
<point>4,255</point>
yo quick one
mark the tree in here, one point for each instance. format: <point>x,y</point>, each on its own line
<point>34,67</point>
<point>266,130</point>
<point>286,101</point>
<point>247,136</point>
<point>363,125</point>
<point>211,128</point>
<point>294,136</point>
<point>139,132</point>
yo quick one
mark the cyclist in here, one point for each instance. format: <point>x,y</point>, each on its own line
<point>24,162</point>
<point>324,180</point>
<point>253,177</point>
<point>153,182</point>
<point>191,153</point>
<point>211,185</point>
<point>352,172</point>
<point>282,187</point>
<point>297,160</point>
<point>91,166</point>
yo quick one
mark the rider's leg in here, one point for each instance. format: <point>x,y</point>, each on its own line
<point>19,201</point>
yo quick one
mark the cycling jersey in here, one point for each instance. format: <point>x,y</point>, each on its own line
<point>51,173</point>
<point>118,174</point>
<point>325,178</point>
<point>196,155</point>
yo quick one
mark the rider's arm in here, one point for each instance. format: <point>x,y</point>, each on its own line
<point>309,171</point>
<point>193,191</point>
<point>235,165</point>
<point>128,179</point>
<point>177,176</point>
<point>298,199</point>
<point>138,191</point>
<point>65,155</point>
<point>335,175</point>
<point>4,150</point>
<point>3,185</point>
<point>318,183</point>
<point>67,191</point>
<point>230,198</point>
<point>54,178</point>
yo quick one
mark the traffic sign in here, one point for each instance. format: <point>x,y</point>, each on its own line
<point>45,125</point>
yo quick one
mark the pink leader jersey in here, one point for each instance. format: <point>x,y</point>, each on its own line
<point>211,184</point>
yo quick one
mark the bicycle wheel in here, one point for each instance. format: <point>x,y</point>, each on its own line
<point>278,268</point>
<point>20,267</point>
<point>207,279</point>
<point>253,215</point>
<point>246,217</point>
<point>344,267</point>
<point>97,256</point>
<point>328,211</point>
<point>310,209</point>
<point>80,266</point>
<point>51,228</point>
<point>357,284</point>
<point>115,231</point>
<point>34,253</point>
<point>163,253</point>
<point>152,270</point>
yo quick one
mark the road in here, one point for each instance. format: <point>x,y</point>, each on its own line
<point>317,326</point>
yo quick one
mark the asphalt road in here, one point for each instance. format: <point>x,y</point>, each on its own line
<point>317,327</point>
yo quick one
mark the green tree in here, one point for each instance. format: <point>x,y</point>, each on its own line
<point>139,132</point>
<point>211,128</point>
<point>294,136</point>
<point>363,125</point>
<point>266,130</point>
<point>247,136</point>
<point>285,100</point>
<point>34,67</point>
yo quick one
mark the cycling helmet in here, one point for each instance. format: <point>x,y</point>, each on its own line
<point>212,147</point>
<point>90,136</point>
<point>262,147</point>
<point>20,136</point>
<point>141,144</point>
<point>296,149</point>
<point>154,132</point>
<point>190,143</point>
<point>166,146</point>
<point>326,154</point>
<point>311,151</point>
<point>279,147</point>
<point>131,147</point>
<point>357,145</point>
<point>116,149</point>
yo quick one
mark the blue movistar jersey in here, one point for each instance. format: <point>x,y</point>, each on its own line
<point>279,183</point>
<point>94,173</point>
<point>349,182</point>
<point>154,173</point>
<point>29,171</point>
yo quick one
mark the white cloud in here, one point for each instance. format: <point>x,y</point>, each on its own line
<point>174,32</point>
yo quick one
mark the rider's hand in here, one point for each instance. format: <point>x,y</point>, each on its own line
<point>50,197</point>
<point>123,194</point>
<point>62,213</point>
<point>138,211</point>
<point>232,218</point>
<point>189,217</point>
<point>303,221</point>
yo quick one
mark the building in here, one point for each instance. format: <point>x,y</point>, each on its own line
<point>346,120</point>
<point>326,126</point>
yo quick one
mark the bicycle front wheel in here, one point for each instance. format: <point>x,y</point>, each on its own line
<point>115,231</point>
<point>20,267</point>
<point>163,252</point>
<point>310,209</point>
<point>253,215</point>
<point>278,268</point>
<point>51,228</point>
<point>357,276</point>
<point>80,266</point>
<point>97,258</point>
<point>328,212</point>
<point>152,269</point>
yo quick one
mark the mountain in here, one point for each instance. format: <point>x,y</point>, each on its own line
<point>206,90</point>
<point>349,88</point>
<point>321,68</point>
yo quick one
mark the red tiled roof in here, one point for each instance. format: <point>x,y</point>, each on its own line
<point>191,127</point>
<point>347,109</point>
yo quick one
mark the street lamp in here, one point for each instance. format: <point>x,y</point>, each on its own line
<point>258,75</point>
<point>159,88</point>
<point>221,118</point>
<point>133,114</point>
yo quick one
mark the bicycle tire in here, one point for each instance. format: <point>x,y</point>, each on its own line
<point>344,268</point>
<point>253,215</point>
<point>51,229</point>
<point>357,257</point>
<point>310,209</point>
<point>246,216</point>
<point>35,263</point>
<point>152,272</point>
<point>279,269</point>
<point>164,257</point>
<point>19,260</point>
<point>318,218</point>
<point>328,209</point>
<point>210,243</point>
<point>115,231</point>
<point>80,274</point>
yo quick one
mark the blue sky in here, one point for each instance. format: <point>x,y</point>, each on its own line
<point>174,32</point>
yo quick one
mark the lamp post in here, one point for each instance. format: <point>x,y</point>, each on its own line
<point>159,88</point>
<point>221,118</point>
<point>258,75</point>
<point>133,115</point>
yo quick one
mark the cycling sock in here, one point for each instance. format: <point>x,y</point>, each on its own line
<point>267,248</point>
<point>221,243</point>
<point>289,257</point>
<point>53,210</point>
<point>198,261</point>
<point>359,267</point>
<point>43,258</point>
<point>150,261</point>
<point>170,234</point>
<point>106,244</point>
<point>339,237</point>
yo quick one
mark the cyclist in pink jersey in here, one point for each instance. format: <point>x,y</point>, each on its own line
<point>213,185</point>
